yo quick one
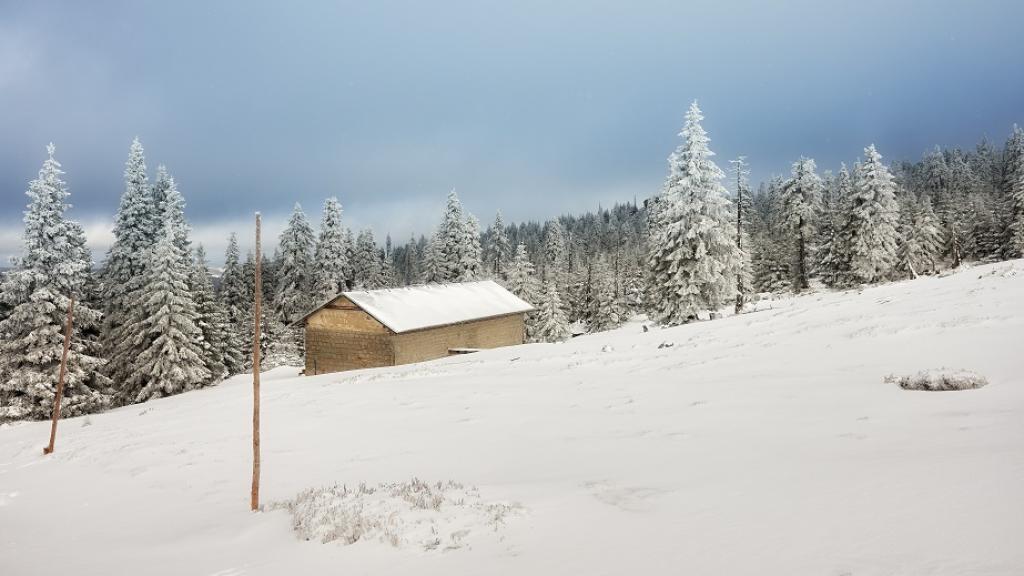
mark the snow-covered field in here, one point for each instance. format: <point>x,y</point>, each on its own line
<point>764,444</point>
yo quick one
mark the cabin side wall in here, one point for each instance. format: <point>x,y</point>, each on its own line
<point>435,342</point>
<point>341,337</point>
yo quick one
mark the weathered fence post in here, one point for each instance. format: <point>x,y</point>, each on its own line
<point>257,327</point>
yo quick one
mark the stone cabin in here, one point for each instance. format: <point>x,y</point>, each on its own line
<point>365,329</point>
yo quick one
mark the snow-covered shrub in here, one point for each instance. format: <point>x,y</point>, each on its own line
<point>940,379</point>
<point>431,516</point>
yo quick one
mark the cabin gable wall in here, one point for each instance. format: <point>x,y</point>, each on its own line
<point>340,336</point>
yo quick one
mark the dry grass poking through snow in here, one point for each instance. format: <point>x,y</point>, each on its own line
<point>439,516</point>
<point>939,380</point>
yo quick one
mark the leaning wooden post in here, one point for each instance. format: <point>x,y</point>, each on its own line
<point>59,396</point>
<point>257,327</point>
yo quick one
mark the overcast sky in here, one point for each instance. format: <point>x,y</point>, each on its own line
<point>533,108</point>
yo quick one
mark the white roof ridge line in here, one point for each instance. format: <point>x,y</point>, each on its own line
<point>407,308</point>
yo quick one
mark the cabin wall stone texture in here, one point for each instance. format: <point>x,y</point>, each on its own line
<point>335,351</point>
<point>348,339</point>
<point>435,342</point>
<point>342,337</point>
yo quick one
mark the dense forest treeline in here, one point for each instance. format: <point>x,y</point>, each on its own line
<point>151,321</point>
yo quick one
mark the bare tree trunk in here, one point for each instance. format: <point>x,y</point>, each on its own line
<point>59,396</point>
<point>257,327</point>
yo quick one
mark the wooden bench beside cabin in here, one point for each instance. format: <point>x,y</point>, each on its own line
<point>370,328</point>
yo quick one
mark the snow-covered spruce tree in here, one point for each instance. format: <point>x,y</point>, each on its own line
<point>984,240</point>
<point>578,297</point>
<point>929,233</point>
<point>498,248</point>
<point>136,227</point>
<point>234,301</point>
<point>170,345</point>
<point>366,265</point>
<point>472,256</point>
<point>770,261</point>
<point>386,265</point>
<point>553,266</point>
<point>453,254</point>
<point>872,226</point>
<point>172,207</point>
<point>450,241</point>
<point>832,249</point>
<point>219,351</point>
<point>54,267</point>
<point>330,260</point>
<point>248,323</point>
<point>800,199</point>
<point>294,293</point>
<point>161,184</point>
<point>693,256</point>
<point>433,269</point>
<point>606,312</point>
<point>920,238</point>
<point>283,344</point>
<point>938,183</point>
<point>745,276</point>
<point>276,340</point>
<point>959,208</point>
<point>633,290</point>
<point>350,258</point>
<point>1018,222</point>
<point>522,281</point>
<point>771,266</point>
<point>549,322</point>
<point>1014,186</point>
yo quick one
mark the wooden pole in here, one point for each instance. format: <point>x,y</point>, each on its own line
<point>59,396</point>
<point>257,327</point>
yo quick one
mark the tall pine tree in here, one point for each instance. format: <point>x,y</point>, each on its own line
<point>331,262</point>
<point>295,276</point>
<point>498,248</point>
<point>219,351</point>
<point>745,277</point>
<point>522,281</point>
<point>367,264</point>
<point>170,354</point>
<point>234,300</point>
<point>920,242</point>
<point>550,322</point>
<point>693,256</point>
<point>832,249</point>
<point>54,268</point>
<point>800,199</point>
<point>874,216</point>
<point>453,254</point>
<point>136,227</point>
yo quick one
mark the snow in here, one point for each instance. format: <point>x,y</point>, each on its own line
<point>767,443</point>
<point>417,307</point>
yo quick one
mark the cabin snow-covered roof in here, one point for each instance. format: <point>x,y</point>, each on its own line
<point>431,305</point>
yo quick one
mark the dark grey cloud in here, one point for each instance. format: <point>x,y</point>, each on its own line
<point>535,108</point>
